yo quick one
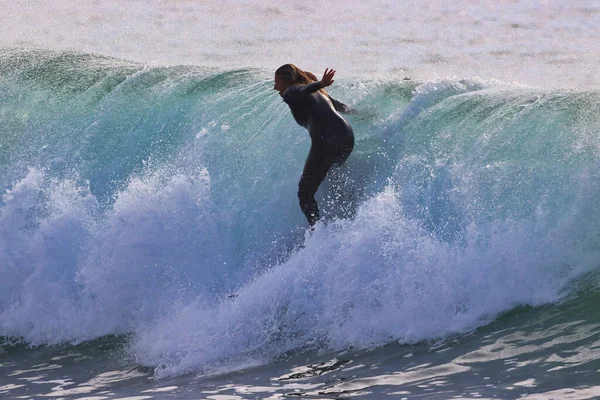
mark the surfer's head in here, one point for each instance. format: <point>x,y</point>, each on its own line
<point>288,75</point>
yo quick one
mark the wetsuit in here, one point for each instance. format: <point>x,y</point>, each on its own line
<point>331,137</point>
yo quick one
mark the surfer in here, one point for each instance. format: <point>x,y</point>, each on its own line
<point>332,139</point>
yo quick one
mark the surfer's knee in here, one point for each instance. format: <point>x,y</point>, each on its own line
<point>305,195</point>
<point>307,188</point>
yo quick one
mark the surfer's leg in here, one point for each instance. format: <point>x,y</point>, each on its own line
<point>315,170</point>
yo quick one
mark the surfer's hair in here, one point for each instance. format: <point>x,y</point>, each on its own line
<point>296,76</point>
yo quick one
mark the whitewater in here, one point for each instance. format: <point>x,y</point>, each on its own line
<point>152,246</point>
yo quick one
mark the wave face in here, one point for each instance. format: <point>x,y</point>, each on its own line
<point>136,200</point>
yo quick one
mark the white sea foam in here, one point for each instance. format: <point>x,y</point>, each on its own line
<point>360,283</point>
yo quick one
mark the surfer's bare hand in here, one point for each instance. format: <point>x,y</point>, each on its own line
<point>327,79</point>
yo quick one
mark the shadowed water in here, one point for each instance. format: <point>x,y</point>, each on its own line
<point>542,353</point>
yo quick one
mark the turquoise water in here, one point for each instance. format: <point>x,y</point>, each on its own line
<point>136,200</point>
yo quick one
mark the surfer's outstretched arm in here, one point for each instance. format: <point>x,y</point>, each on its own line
<point>297,90</point>
<point>327,80</point>
<point>310,88</point>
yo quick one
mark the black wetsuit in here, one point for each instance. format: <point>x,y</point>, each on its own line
<point>331,136</point>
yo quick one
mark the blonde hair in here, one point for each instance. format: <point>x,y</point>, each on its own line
<point>296,76</point>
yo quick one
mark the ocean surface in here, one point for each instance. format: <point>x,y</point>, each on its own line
<point>152,246</point>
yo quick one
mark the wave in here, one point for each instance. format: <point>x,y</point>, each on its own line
<point>137,199</point>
